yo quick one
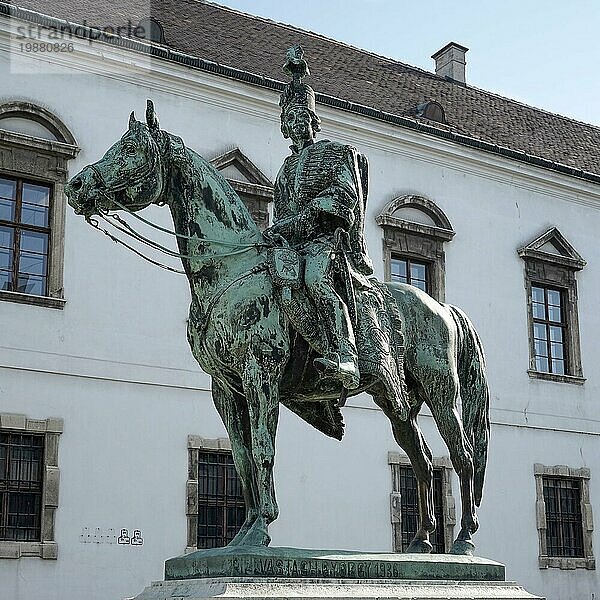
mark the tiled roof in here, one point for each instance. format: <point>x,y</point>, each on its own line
<point>257,45</point>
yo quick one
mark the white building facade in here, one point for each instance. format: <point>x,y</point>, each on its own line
<point>97,371</point>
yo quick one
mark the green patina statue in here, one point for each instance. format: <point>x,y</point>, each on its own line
<point>295,315</point>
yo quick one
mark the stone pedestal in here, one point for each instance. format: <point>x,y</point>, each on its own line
<point>324,589</point>
<point>253,573</point>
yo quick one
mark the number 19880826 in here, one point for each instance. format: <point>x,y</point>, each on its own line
<point>46,47</point>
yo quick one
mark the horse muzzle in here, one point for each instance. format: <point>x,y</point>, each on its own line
<point>84,192</point>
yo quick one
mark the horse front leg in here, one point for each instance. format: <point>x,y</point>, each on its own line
<point>260,381</point>
<point>233,410</point>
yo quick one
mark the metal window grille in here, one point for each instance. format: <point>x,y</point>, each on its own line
<point>409,506</point>
<point>21,480</point>
<point>410,271</point>
<point>221,506</point>
<point>564,528</point>
<point>549,329</point>
<point>24,235</point>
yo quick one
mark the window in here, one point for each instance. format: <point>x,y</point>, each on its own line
<point>252,186</point>
<point>549,329</point>
<point>35,148</point>
<point>24,236</point>
<point>216,507</point>
<point>405,508</point>
<point>551,264</point>
<point>29,479</point>
<point>407,270</point>
<point>414,231</point>
<point>564,517</point>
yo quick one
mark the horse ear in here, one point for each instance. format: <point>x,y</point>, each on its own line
<point>131,119</point>
<point>151,119</point>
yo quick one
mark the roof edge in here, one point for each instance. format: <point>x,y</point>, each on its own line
<point>10,10</point>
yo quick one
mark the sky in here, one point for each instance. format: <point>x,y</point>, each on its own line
<point>544,53</point>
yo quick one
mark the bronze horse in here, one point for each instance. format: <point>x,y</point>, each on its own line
<point>240,336</point>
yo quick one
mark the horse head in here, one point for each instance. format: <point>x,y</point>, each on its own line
<point>130,175</point>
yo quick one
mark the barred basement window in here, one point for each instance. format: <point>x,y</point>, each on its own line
<point>216,507</point>
<point>564,517</point>
<point>221,507</point>
<point>21,479</point>
<point>405,508</point>
<point>29,478</point>
<point>564,531</point>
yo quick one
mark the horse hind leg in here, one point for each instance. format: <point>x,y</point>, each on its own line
<point>233,411</point>
<point>444,409</point>
<point>409,438</point>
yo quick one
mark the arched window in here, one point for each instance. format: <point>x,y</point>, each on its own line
<point>35,147</point>
<point>415,230</point>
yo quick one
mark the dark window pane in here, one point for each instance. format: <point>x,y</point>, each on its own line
<point>554,314</point>
<point>5,280</point>
<point>6,237</point>
<point>33,264</point>
<point>8,188</point>
<point>34,215</point>
<point>541,348</point>
<point>31,284</point>
<point>554,297</point>
<point>539,311</point>
<point>556,350</point>
<point>558,366</point>
<point>7,210</point>
<point>537,294</point>
<point>417,271</point>
<point>32,241</point>
<point>556,334</point>
<point>36,194</point>
<point>541,364</point>
<point>6,258</point>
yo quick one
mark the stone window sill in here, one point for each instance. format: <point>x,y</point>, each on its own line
<point>48,550</point>
<point>574,379</point>
<point>546,562</point>
<point>46,301</point>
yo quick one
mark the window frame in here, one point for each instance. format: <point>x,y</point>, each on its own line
<point>18,227</point>
<point>197,444</point>
<point>51,428</point>
<point>563,562</point>
<point>409,260</point>
<point>417,241</point>
<point>558,272</point>
<point>44,161</point>
<point>443,464</point>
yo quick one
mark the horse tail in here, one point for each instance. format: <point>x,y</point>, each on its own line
<point>474,394</point>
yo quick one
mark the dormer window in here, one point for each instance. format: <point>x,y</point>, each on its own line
<point>432,111</point>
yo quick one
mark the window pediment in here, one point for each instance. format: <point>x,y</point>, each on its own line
<point>553,247</point>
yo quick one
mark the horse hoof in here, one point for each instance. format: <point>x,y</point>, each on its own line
<point>463,547</point>
<point>419,547</point>
<point>257,535</point>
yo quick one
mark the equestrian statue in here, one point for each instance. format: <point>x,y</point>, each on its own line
<point>294,315</point>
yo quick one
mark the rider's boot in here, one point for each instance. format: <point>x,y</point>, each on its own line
<point>341,362</point>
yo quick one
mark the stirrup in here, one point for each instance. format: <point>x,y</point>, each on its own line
<point>346,372</point>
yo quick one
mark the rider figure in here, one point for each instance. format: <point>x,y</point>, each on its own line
<point>318,196</point>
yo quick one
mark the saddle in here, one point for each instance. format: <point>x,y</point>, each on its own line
<point>377,328</point>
